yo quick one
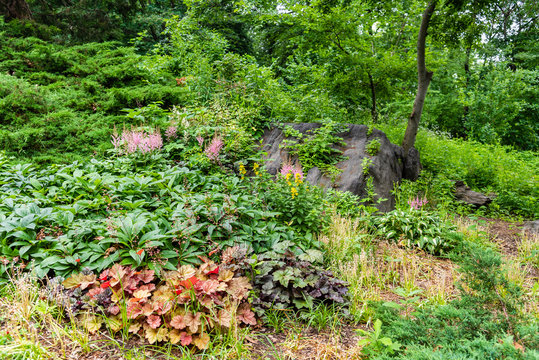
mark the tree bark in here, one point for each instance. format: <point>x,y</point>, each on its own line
<point>468,74</point>
<point>374,113</point>
<point>15,9</point>
<point>423,77</point>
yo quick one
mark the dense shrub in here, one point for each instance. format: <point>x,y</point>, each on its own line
<point>510,174</point>
<point>93,214</point>
<point>486,318</point>
<point>61,102</point>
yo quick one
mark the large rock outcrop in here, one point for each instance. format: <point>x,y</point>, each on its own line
<point>389,165</point>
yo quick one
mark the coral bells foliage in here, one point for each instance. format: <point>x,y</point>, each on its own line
<point>132,141</point>
<point>214,148</point>
<point>184,307</point>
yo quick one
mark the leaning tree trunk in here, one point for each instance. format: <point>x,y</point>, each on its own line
<point>15,9</point>
<point>423,77</point>
<point>374,113</point>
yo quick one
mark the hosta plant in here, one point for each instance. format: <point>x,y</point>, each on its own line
<point>416,228</point>
<point>185,307</point>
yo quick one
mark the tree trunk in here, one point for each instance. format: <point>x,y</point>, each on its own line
<point>374,113</point>
<point>468,74</point>
<point>423,78</point>
<point>15,9</point>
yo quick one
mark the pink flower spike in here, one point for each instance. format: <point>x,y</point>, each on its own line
<point>212,151</point>
<point>200,140</point>
<point>286,168</point>
<point>297,170</point>
<point>171,132</point>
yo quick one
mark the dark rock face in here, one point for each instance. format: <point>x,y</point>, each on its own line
<point>464,193</point>
<point>388,165</point>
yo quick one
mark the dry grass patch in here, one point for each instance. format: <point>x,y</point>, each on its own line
<point>375,269</point>
<point>299,343</point>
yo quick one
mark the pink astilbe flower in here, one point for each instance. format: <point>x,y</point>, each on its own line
<point>154,141</point>
<point>200,140</point>
<point>286,168</point>
<point>116,141</point>
<point>132,141</point>
<point>294,170</point>
<point>213,150</point>
<point>171,132</point>
<point>417,203</point>
<point>297,171</point>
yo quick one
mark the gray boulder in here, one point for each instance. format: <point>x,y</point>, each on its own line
<point>388,165</point>
<point>464,193</point>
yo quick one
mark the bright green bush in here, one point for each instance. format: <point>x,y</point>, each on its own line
<point>510,174</point>
<point>416,228</point>
<point>59,102</point>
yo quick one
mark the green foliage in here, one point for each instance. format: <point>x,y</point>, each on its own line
<point>510,174</point>
<point>376,344</point>
<point>61,102</point>
<point>91,20</point>
<point>285,281</point>
<point>486,318</point>
<point>417,228</point>
<point>349,205</point>
<point>316,148</point>
<point>438,190</point>
<point>301,206</point>
<point>373,147</point>
<point>96,213</point>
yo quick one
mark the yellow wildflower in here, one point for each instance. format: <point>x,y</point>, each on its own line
<point>242,170</point>
<point>294,192</point>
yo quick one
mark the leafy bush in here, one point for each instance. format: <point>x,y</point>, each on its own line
<point>416,228</point>
<point>316,148</point>
<point>510,174</point>
<point>376,344</point>
<point>302,206</point>
<point>284,280</point>
<point>93,214</point>
<point>187,306</point>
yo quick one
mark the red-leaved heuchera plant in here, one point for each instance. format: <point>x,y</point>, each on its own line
<point>184,307</point>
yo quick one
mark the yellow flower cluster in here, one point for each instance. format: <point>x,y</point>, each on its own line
<point>242,171</point>
<point>287,178</point>
<point>298,180</point>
